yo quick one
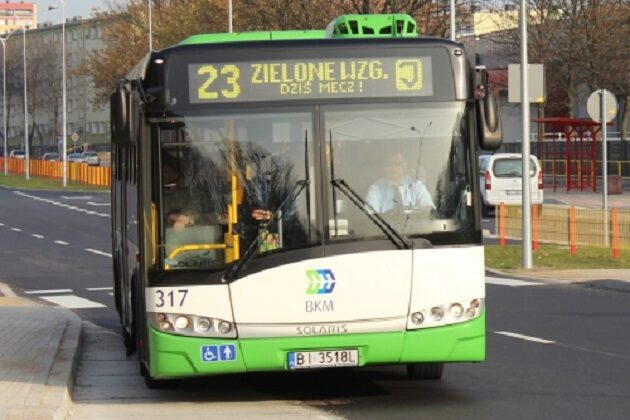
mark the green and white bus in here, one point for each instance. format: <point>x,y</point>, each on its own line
<point>252,227</point>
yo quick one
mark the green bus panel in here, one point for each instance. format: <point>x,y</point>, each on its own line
<point>173,356</point>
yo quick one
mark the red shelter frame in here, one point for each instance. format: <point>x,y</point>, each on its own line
<point>580,151</point>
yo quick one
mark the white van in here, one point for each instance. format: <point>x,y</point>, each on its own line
<point>500,178</point>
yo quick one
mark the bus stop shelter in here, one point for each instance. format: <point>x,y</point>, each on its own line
<point>569,152</point>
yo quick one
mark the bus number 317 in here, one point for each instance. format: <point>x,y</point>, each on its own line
<point>171,298</point>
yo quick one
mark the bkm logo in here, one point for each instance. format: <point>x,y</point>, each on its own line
<point>320,282</point>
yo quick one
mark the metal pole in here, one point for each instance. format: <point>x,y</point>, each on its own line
<point>27,159</point>
<point>452,19</point>
<point>4,104</point>
<point>230,16</point>
<point>526,200</point>
<point>64,121</point>
<point>150,27</point>
<point>602,119</point>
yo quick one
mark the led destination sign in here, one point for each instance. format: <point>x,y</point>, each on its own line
<point>309,79</point>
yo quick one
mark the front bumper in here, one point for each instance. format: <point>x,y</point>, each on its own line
<point>173,356</point>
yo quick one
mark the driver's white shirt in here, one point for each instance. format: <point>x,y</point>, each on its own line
<point>382,194</point>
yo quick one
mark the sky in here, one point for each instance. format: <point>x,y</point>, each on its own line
<point>81,8</point>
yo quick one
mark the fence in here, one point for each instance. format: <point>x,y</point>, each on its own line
<point>82,173</point>
<point>569,226</point>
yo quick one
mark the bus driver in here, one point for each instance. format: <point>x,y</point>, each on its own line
<point>397,190</point>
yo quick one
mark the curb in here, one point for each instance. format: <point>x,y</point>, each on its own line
<point>593,283</point>
<point>63,371</point>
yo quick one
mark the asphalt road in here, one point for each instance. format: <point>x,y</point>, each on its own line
<point>553,351</point>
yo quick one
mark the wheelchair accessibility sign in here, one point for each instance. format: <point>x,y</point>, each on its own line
<point>221,353</point>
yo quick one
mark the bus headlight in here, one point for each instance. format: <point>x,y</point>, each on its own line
<point>192,325</point>
<point>446,314</point>
<point>203,325</point>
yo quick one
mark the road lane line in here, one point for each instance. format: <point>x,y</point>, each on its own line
<point>42,292</point>
<point>1,224</point>
<point>73,302</point>
<point>60,204</point>
<point>97,252</point>
<point>525,337</point>
<point>35,235</point>
<point>61,243</point>
<point>16,229</point>
<point>97,289</point>
<point>76,197</point>
<point>91,203</point>
<point>510,282</point>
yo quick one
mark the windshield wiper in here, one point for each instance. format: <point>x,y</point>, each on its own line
<point>397,238</point>
<point>277,215</point>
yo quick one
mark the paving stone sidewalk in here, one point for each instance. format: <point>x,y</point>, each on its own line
<point>38,351</point>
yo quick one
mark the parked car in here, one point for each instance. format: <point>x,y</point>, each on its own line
<point>51,157</point>
<point>92,158</point>
<point>76,158</point>
<point>17,154</point>
<point>500,176</point>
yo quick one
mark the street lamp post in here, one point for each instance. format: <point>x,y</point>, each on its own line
<point>64,134</point>
<point>150,26</point>
<point>27,159</point>
<point>4,102</point>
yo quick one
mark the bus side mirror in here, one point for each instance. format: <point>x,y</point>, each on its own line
<point>125,115</point>
<point>488,116</point>
<point>118,113</point>
<point>489,122</point>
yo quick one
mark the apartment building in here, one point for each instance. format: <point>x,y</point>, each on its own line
<point>14,15</point>
<point>86,124</point>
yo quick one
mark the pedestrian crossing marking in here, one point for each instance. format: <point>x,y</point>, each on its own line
<point>73,302</point>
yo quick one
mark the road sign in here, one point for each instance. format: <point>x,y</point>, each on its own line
<point>74,137</point>
<point>593,106</point>
<point>536,77</point>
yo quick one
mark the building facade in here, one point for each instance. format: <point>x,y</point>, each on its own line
<point>16,15</point>
<point>87,125</point>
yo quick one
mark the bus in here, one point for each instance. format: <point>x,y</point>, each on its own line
<point>252,225</point>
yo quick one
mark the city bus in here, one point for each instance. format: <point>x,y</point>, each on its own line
<point>252,225</point>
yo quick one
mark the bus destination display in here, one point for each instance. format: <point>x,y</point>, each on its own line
<point>309,79</point>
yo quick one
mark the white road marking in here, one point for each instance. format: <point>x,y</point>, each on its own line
<point>525,337</point>
<point>43,292</point>
<point>76,197</point>
<point>64,205</point>
<point>111,294</point>
<point>91,203</point>
<point>62,243</point>
<point>1,224</point>
<point>510,282</point>
<point>16,229</point>
<point>73,302</point>
<point>35,235</point>
<point>6,290</point>
<point>97,252</point>
<point>96,289</point>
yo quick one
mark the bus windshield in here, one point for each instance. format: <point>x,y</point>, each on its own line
<point>223,177</point>
<point>406,161</point>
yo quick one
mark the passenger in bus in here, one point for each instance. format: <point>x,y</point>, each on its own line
<point>397,190</point>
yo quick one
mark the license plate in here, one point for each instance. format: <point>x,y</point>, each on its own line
<point>323,358</point>
<point>513,192</point>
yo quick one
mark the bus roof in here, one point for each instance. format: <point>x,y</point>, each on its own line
<point>346,26</point>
